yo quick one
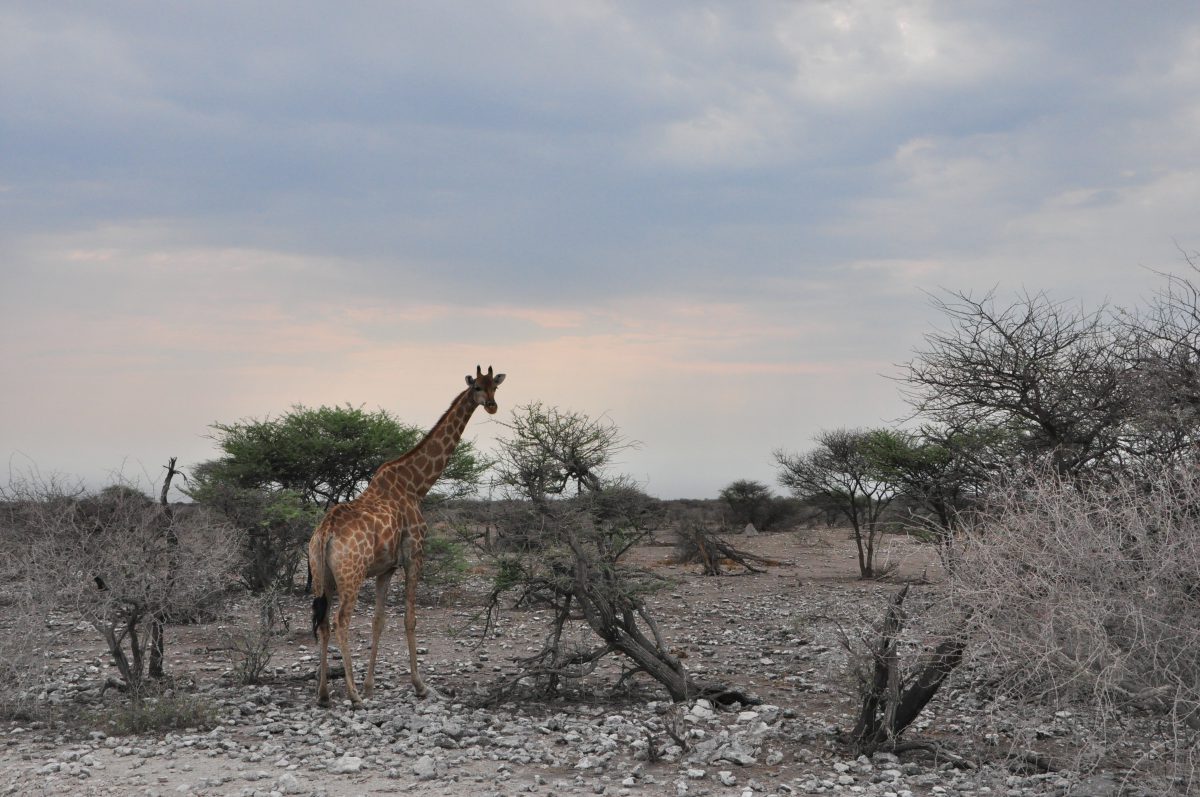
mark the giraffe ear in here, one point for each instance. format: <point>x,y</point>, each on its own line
<point>499,378</point>
<point>470,381</point>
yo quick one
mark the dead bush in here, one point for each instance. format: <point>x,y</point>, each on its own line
<point>1090,590</point>
<point>698,544</point>
<point>120,562</point>
<point>578,571</point>
<point>251,647</point>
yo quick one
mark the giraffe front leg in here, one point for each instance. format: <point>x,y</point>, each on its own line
<point>411,573</point>
<point>377,625</point>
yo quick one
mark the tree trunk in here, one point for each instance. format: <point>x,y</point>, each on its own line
<point>619,628</point>
<point>886,709</point>
<point>868,725</point>
<point>157,642</point>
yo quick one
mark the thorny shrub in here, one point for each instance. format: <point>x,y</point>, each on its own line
<point>115,560</point>
<point>252,646</point>
<point>1090,590</point>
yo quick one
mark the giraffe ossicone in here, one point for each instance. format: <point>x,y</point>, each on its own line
<point>382,531</point>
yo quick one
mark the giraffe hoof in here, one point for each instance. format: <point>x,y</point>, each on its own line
<point>356,705</point>
<point>323,702</point>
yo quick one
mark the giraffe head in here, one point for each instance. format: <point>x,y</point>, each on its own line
<point>483,388</point>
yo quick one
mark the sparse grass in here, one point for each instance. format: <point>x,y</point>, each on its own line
<point>152,715</point>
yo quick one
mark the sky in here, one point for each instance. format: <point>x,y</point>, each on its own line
<point>716,224</point>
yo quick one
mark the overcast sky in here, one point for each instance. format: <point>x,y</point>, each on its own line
<point>714,222</point>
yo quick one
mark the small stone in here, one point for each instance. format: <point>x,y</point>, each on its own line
<point>695,774</point>
<point>726,777</point>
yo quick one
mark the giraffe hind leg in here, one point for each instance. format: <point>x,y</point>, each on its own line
<point>321,629</point>
<point>342,631</point>
<point>377,625</point>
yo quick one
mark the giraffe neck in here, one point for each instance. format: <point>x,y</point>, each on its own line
<point>416,472</point>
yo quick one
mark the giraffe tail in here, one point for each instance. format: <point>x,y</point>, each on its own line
<point>320,610</point>
<point>317,573</point>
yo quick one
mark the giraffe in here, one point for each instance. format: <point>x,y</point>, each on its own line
<point>380,531</point>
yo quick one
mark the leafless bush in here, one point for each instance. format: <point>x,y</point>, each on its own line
<point>251,647</point>
<point>23,667</point>
<point>119,562</point>
<point>577,570</point>
<point>1090,590</point>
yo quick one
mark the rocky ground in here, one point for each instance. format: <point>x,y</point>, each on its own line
<point>774,634</point>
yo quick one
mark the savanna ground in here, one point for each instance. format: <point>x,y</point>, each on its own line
<point>775,634</point>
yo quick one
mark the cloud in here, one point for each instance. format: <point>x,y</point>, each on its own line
<point>617,203</point>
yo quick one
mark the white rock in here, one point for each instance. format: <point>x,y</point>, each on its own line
<point>346,765</point>
<point>726,777</point>
<point>290,784</point>
<point>425,768</point>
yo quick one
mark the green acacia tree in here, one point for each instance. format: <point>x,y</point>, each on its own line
<point>841,474</point>
<point>276,476</point>
<point>941,471</point>
<point>327,455</point>
<point>752,502</point>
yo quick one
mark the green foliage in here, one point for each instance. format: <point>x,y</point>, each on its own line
<point>326,455</point>
<point>752,502</point>
<point>509,573</point>
<point>942,471</point>
<point>445,561</point>
<point>275,526</point>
